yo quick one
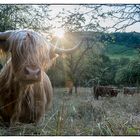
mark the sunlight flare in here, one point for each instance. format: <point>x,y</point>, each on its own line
<point>59,33</point>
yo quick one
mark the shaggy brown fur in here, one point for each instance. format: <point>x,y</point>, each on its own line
<point>20,99</point>
<point>69,85</point>
<point>25,89</point>
<point>23,103</point>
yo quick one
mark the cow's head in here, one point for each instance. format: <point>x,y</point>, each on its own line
<point>30,53</point>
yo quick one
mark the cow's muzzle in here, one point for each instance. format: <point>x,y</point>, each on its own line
<point>32,74</point>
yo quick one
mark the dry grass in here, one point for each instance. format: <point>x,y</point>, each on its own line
<point>82,115</point>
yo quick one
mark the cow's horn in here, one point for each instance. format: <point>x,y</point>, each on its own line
<point>5,35</point>
<point>67,51</point>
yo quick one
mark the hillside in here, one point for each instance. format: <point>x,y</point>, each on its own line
<point>122,44</point>
<point>118,44</point>
<point>117,51</point>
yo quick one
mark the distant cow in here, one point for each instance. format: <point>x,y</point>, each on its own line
<point>104,91</point>
<point>130,90</point>
<point>69,85</point>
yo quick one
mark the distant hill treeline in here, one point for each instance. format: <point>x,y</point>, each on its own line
<point>117,44</point>
<point>128,39</point>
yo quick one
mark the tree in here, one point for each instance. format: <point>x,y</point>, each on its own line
<point>24,16</point>
<point>101,69</point>
<point>98,66</point>
<point>124,15</point>
<point>76,66</point>
<point>129,74</point>
<point>80,19</point>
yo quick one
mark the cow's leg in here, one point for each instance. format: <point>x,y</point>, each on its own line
<point>39,104</point>
<point>39,111</point>
<point>17,110</point>
<point>96,96</point>
<point>70,91</point>
<point>48,91</point>
<point>16,114</point>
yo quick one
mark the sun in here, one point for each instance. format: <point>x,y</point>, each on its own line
<point>59,33</point>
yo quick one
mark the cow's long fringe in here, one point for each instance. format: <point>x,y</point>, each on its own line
<point>33,43</point>
<point>6,76</point>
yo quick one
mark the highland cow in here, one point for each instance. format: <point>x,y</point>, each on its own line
<point>104,91</point>
<point>25,89</point>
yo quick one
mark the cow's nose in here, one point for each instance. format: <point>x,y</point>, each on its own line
<point>32,72</point>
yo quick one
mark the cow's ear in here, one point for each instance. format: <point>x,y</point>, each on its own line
<point>3,40</point>
<point>4,45</point>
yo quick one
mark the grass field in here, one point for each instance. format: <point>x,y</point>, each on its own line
<point>82,115</point>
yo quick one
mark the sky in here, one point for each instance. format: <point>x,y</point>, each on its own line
<point>57,8</point>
